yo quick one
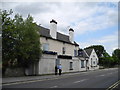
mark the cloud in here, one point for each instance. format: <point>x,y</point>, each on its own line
<point>34,8</point>
<point>110,42</point>
<point>83,17</point>
<point>100,19</point>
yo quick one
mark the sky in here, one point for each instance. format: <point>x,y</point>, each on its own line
<point>94,23</point>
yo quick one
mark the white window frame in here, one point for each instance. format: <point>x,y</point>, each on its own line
<point>44,47</point>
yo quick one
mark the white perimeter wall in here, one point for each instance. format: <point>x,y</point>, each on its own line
<point>47,64</point>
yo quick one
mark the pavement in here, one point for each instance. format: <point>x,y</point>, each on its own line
<point>41,77</point>
<point>31,78</point>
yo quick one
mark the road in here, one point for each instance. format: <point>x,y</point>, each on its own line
<point>103,78</point>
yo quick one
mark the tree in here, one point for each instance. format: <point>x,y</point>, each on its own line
<point>28,44</point>
<point>20,39</point>
<point>8,54</point>
<point>116,56</point>
<point>104,58</point>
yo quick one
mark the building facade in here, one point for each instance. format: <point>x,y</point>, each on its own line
<point>61,49</point>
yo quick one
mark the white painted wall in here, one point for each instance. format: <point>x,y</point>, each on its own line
<point>57,46</point>
<point>93,58</point>
<point>47,64</point>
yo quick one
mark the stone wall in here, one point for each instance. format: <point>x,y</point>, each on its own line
<point>14,72</point>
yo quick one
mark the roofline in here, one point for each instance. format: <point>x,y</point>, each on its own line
<point>59,40</point>
<point>86,53</point>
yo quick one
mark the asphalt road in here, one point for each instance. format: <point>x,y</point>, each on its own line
<point>92,79</point>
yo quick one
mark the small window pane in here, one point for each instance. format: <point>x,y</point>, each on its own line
<point>75,52</point>
<point>71,65</point>
<point>63,50</point>
<point>82,64</point>
<point>45,47</point>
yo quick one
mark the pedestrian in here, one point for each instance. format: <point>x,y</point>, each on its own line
<point>87,67</point>
<point>60,69</point>
<point>56,70</point>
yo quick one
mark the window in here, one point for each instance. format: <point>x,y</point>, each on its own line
<point>63,50</point>
<point>80,53</point>
<point>75,52</point>
<point>91,61</point>
<point>71,65</point>
<point>45,47</point>
<point>94,62</point>
<point>57,62</point>
<point>82,64</point>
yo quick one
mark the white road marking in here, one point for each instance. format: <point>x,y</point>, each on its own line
<point>54,87</point>
<point>80,81</point>
<point>102,75</point>
<point>110,73</point>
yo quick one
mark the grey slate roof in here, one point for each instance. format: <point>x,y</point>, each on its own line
<point>60,37</point>
<point>44,32</point>
<point>88,51</point>
<point>83,54</point>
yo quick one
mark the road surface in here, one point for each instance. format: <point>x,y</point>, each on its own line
<point>103,78</point>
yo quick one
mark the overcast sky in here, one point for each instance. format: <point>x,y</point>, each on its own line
<point>94,23</point>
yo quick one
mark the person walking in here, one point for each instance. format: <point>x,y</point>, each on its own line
<point>60,69</point>
<point>56,70</point>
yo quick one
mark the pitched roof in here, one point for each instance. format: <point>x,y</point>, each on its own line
<point>60,37</point>
<point>82,53</point>
<point>44,32</point>
<point>89,51</point>
<point>63,37</point>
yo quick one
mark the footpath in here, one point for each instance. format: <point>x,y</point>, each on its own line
<point>7,80</point>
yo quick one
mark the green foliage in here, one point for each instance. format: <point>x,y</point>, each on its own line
<point>28,43</point>
<point>104,58</point>
<point>8,47</point>
<point>21,42</point>
<point>116,56</point>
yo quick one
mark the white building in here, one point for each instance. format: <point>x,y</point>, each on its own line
<point>91,59</point>
<point>92,62</point>
<point>59,49</point>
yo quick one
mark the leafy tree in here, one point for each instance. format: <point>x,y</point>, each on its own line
<point>8,48</point>
<point>20,40</point>
<point>104,58</point>
<point>28,44</point>
<point>116,56</point>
